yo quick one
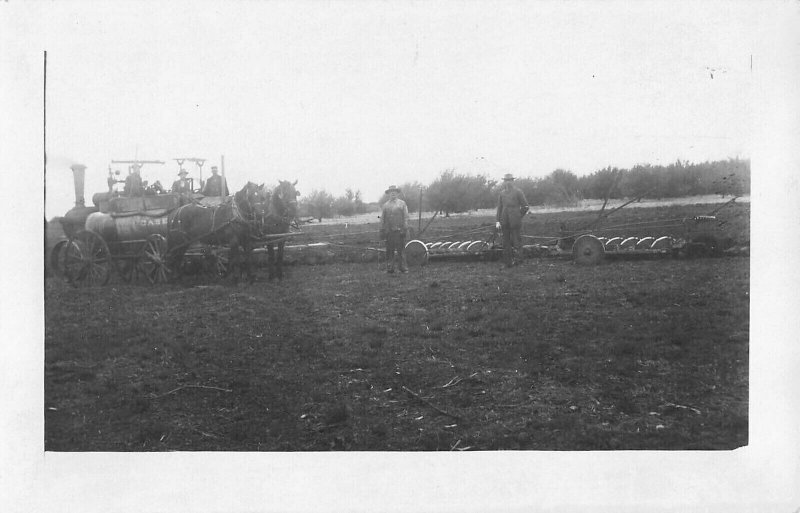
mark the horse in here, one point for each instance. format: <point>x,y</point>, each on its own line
<point>276,214</point>
<point>232,223</point>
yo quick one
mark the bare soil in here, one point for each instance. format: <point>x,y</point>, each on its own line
<point>456,355</point>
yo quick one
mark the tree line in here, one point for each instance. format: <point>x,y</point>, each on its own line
<point>453,192</point>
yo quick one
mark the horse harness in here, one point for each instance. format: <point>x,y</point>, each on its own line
<point>280,219</point>
<point>237,217</point>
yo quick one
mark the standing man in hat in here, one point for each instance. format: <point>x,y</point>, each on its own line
<point>216,185</point>
<point>394,217</point>
<point>511,207</point>
<point>182,185</point>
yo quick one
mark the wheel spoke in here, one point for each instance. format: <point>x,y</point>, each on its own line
<point>153,262</point>
<point>221,265</point>
<point>87,260</point>
<point>96,274</point>
<point>80,274</point>
<point>73,260</point>
<point>151,251</point>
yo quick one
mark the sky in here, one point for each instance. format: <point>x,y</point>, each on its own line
<point>364,95</point>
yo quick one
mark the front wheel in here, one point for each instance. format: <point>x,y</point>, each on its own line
<point>87,260</point>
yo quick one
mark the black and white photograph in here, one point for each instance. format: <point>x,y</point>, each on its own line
<point>427,256</point>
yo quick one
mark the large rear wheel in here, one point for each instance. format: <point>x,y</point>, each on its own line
<point>153,260</point>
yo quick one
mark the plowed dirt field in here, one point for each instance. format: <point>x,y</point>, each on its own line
<point>548,355</point>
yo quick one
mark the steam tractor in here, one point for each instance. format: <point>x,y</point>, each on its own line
<point>118,233</point>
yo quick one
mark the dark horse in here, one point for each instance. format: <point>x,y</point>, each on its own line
<point>233,224</point>
<point>276,214</point>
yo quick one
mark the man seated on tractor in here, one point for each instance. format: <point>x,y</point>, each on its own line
<point>216,185</point>
<point>133,183</point>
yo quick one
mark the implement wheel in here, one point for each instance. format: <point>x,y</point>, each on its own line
<point>588,250</point>
<point>153,259</point>
<point>416,253</point>
<point>87,260</point>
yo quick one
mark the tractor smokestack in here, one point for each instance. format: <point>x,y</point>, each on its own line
<point>78,175</point>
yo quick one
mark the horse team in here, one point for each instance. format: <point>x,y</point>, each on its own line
<point>252,216</point>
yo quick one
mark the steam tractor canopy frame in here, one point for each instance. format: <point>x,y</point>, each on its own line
<point>133,165</point>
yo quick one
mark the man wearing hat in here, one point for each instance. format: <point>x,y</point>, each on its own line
<point>216,185</point>
<point>511,207</point>
<point>394,217</point>
<point>182,185</point>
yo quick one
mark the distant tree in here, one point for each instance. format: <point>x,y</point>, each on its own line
<point>730,185</point>
<point>454,192</point>
<point>601,184</point>
<point>358,204</point>
<point>344,205</point>
<point>480,192</point>
<point>731,177</point>
<point>318,204</point>
<point>349,204</point>
<point>529,187</point>
<point>683,178</point>
<point>566,182</point>
<point>446,193</point>
<point>674,180</point>
<point>559,188</point>
<point>488,198</point>
<point>641,180</point>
